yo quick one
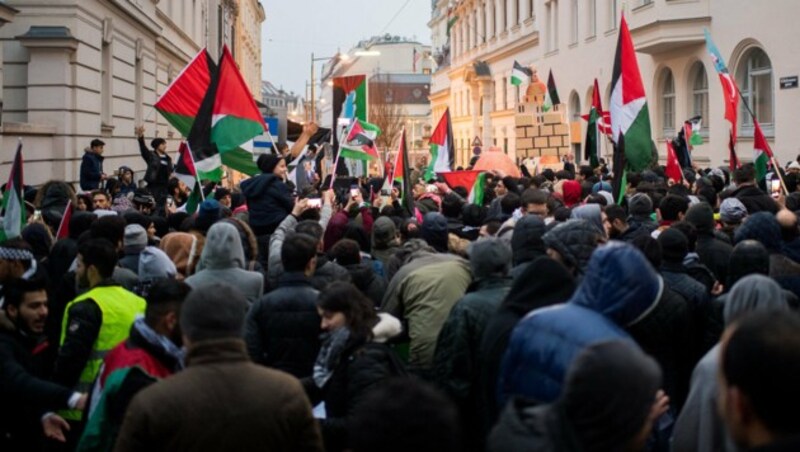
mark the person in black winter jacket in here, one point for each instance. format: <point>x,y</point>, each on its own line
<point>544,282</point>
<point>26,360</point>
<point>347,253</point>
<point>572,243</point>
<point>92,174</point>
<point>748,192</point>
<point>269,200</point>
<point>282,329</point>
<point>714,253</point>
<point>159,166</point>
<point>352,359</point>
<point>591,415</point>
<point>764,228</point>
<point>526,243</point>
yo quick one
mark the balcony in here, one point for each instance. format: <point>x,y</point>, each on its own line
<point>660,26</point>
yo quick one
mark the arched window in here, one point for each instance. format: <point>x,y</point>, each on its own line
<point>504,14</point>
<point>574,107</point>
<point>667,104</point>
<point>754,77</point>
<point>699,90</point>
<point>484,30</point>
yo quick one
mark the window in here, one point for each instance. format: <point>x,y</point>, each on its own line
<point>106,82</point>
<point>592,17</point>
<point>516,95</point>
<point>494,96</point>
<point>573,32</point>
<point>493,22</point>
<point>483,23</point>
<point>530,9</point>
<point>505,93</point>
<point>699,99</point>
<point>754,77</point>
<point>516,12</point>
<point>138,87</point>
<point>574,107</point>
<point>504,14</point>
<point>667,104</point>
<point>612,14</point>
<point>548,12</point>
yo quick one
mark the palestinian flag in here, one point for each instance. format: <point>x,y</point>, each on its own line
<point>450,22</point>
<point>552,93</point>
<point>762,154</point>
<point>442,147</point>
<point>673,169</point>
<point>730,93</point>
<point>63,226</point>
<point>359,143</point>
<point>591,150</point>
<point>691,131</point>
<point>520,74</point>
<point>478,190</point>
<point>630,118</point>
<point>471,180</point>
<point>235,119</point>
<point>181,101</point>
<point>185,171</point>
<point>402,171</point>
<point>349,101</point>
<point>14,215</point>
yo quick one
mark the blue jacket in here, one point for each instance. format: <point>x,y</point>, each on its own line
<point>91,171</point>
<point>268,202</point>
<point>619,288</point>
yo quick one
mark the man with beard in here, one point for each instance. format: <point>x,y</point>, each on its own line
<point>152,351</point>
<point>94,322</point>
<point>26,358</point>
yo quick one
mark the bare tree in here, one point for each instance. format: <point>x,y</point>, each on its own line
<point>385,112</point>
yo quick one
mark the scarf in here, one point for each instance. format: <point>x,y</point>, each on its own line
<point>157,340</point>
<point>329,353</point>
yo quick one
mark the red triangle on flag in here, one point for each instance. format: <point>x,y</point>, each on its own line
<point>233,97</point>
<point>632,87</point>
<point>63,227</point>
<point>464,178</point>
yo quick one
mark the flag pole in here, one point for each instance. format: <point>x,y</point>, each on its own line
<point>271,140</point>
<point>338,154</point>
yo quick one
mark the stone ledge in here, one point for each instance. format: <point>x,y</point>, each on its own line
<point>27,128</point>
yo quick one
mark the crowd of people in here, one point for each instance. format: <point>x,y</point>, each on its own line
<point>331,317</point>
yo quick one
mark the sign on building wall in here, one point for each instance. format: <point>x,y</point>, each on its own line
<point>788,82</point>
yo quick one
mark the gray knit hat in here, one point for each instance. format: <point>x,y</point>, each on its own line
<point>732,211</point>
<point>214,314</point>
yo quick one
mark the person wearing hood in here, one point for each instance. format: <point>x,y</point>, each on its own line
<point>133,243</point>
<point>154,266</point>
<point>714,253</point>
<point>544,282</point>
<point>572,244</point>
<point>731,215</point>
<point>269,200</point>
<point>385,240</point>
<point>527,244</point>
<point>183,250</point>
<point>455,361</point>
<point>592,213</point>
<point>222,261</point>
<point>590,415</point>
<point>640,209</point>
<point>572,192</point>
<point>422,292</point>
<point>699,427</point>
<point>544,343</point>
<point>26,360</point>
<point>347,253</point>
<point>353,358</point>
<point>764,227</point>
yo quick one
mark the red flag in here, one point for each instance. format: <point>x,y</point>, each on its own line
<point>673,169</point>
<point>604,122</point>
<point>63,227</point>
<point>759,141</point>
<point>464,179</point>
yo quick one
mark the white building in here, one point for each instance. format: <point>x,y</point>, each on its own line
<point>576,39</point>
<point>403,63</point>
<point>78,70</point>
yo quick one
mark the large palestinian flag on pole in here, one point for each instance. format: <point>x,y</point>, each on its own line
<point>182,100</point>
<point>14,215</point>
<point>235,118</point>
<point>591,150</point>
<point>442,147</point>
<point>630,118</point>
<point>762,154</point>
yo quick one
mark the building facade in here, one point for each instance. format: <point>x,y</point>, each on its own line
<point>576,39</point>
<point>283,105</point>
<point>247,41</point>
<point>79,70</point>
<point>398,71</point>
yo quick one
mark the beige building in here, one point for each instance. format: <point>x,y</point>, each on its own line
<point>247,41</point>
<point>576,39</point>
<point>77,70</point>
<point>400,68</point>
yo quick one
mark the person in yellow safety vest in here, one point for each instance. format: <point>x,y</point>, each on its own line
<point>94,322</point>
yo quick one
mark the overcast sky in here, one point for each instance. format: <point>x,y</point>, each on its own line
<point>295,28</point>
